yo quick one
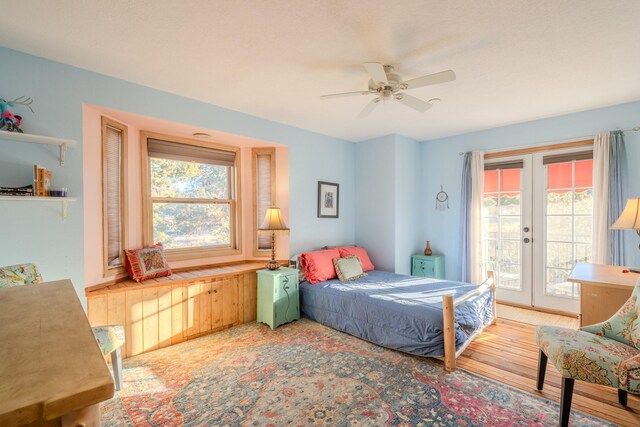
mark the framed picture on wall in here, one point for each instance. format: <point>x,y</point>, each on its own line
<point>328,199</point>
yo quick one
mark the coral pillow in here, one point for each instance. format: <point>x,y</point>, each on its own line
<point>318,265</point>
<point>360,253</point>
<point>147,263</point>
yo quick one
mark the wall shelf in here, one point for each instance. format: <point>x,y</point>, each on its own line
<point>39,139</point>
<point>64,200</point>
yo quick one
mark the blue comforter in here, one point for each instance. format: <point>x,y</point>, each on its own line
<point>394,311</point>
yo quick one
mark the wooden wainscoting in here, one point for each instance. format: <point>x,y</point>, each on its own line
<point>170,310</point>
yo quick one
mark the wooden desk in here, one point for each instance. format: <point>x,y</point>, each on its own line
<point>603,290</point>
<point>51,370</point>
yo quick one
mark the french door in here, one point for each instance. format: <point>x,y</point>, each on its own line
<point>537,221</point>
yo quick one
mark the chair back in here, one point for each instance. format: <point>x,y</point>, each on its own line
<point>18,275</point>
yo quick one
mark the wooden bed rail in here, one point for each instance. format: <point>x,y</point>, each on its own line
<point>449,303</point>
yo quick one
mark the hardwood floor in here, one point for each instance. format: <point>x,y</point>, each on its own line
<point>507,353</point>
<point>534,317</point>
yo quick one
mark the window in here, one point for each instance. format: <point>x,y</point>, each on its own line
<point>502,220</point>
<point>264,195</point>
<point>191,197</point>
<point>569,219</point>
<point>114,149</point>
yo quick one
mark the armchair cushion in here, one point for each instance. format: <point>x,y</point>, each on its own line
<point>624,326</point>
<point>584,356</point>
<point>19,274</point>
<point>109,337</point>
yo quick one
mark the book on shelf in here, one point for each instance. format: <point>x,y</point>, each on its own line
<point>41,180</point>
<point>27,190</point>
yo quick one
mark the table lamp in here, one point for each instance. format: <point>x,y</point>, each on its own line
<point>273,222</point>
<point>629,220</point>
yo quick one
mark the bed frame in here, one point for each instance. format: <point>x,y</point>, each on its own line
<point>449,304</point>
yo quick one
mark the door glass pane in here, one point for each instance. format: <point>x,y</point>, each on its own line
<point>501,226</point>
<point>569,221</point>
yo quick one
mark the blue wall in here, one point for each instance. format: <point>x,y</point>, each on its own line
<point>375,195</point>
<point>35,232</point>
<point>441,164</point>
<point>387,201</point>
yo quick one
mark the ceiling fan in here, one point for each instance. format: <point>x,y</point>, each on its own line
<point>385,84</point>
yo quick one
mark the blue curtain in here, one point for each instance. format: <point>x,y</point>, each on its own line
<point>465,220</point>
<point>616,196</point>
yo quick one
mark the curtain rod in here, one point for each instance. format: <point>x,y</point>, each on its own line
<point>577,138</point>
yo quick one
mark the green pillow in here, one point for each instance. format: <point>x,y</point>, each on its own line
<point>348,268</point>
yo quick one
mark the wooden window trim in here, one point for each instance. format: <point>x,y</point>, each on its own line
<point>255,152</point>
<point>124,226</point>
<point>235,202</point>
<point>520,151</point>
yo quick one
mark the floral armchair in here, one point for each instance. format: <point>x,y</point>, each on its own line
<point>606,353</point>
<point>109,337</point>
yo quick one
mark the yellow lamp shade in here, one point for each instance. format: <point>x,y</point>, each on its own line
<point>630,217</point>
<point>273,220</point>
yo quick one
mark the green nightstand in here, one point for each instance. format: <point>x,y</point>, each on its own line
<point>428,266</point>
<point>278,296</point>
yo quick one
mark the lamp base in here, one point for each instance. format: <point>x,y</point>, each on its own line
<point>273,265</point>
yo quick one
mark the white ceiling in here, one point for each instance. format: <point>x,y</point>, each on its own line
<point>515,60</point>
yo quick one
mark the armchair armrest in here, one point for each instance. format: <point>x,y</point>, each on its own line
<point>629,374</point>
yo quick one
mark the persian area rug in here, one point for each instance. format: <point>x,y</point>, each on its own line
<point>304,373</point>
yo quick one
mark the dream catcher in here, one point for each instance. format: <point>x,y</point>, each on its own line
<point>442,200</point>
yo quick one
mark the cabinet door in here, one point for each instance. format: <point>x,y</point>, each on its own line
<point>418,268</point>
<point>216,305</point>
<point>428,268</point>
<point>291,288</point>
<point>192,322</point>
<point>230,304</point>
<point>205,307</point>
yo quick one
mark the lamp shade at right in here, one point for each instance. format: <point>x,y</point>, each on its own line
<point>630,217</point>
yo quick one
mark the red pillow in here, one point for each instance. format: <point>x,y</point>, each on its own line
<point>360,253</point>
<point>147,263</point>
<point>318,265</point>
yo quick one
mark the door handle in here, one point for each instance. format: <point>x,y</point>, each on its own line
<point>526,229</point>
<point>526,240</point>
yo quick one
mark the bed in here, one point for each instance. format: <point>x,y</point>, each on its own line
<point>416,315</point>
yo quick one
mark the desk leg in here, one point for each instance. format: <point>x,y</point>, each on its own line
<point>85,417</point>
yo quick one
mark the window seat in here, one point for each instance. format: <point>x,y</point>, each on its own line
<point>168,310</point>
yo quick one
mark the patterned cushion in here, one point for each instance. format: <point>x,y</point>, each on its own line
<point>624,326</point>
<point>20,274</point>
<point>147,263</point>
<point>584,356</point>
<point>349,268</point>
<point>109,337</point>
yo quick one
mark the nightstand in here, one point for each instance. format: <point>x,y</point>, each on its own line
<point>428,266</point>
<point>278,296</point>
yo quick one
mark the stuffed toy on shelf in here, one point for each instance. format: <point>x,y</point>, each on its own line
<point>12,122</point>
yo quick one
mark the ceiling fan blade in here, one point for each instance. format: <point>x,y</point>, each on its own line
<point>376,71</point>
<point>413,102</point>
<point>340,95</point>
<point>431,79</point>
<point>369,108</point>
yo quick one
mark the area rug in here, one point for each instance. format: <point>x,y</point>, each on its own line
<point>304,373</point>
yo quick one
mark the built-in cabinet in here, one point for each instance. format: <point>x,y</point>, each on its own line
<point>167,311</point>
